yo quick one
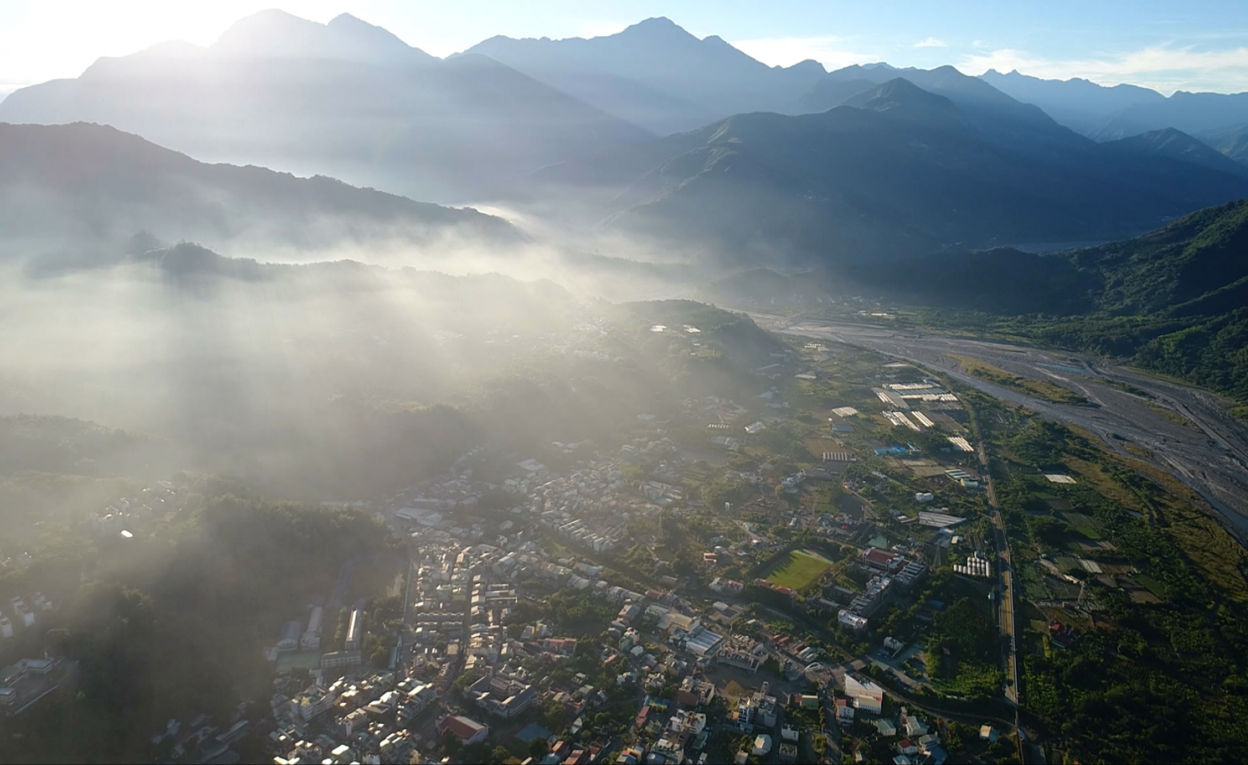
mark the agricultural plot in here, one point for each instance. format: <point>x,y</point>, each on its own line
<point>1084,524</point>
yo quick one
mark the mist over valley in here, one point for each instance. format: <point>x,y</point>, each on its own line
<point>618,398</point>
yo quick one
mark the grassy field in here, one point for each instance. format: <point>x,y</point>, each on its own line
<point>800,570</point>
<point>1041,389</point>
<point>301,660</point>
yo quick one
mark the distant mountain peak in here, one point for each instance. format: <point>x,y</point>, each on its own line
<point>809,65</point>
<point>656,22</point>
<point>277,34</point>
<point>270,20</point>
<point>903,98</point>
<point>372,35</point>
<point>658,28</point>
<point>1175,144</point>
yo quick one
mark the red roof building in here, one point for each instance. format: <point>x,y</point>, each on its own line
<point>467,730</point>
<point>879,559</point>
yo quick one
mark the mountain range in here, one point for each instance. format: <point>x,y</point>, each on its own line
<point>90,188</point>
<point>1109,113</point>
<point>894,170</point>
<point>353,101</point>
<point>689,144</point>
<point>345,99</point>
<point>657,75</point>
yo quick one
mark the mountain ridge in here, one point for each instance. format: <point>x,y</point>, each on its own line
<point>313,99</point>
<point>91,183</point>
<point>699,80</point>
<point>878,182</point>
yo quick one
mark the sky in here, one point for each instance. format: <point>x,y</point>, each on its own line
<point>1193,45</point>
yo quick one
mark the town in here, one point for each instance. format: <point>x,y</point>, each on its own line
<point>805,570</point>
<point>679,598</point>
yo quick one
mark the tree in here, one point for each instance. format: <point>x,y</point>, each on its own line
<point>379,658</point>
<point>57,639</point>
<point>537,748</point>
<point>499,755</point>
<point>450,744</point>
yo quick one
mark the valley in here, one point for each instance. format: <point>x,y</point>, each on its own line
<point>1208,452</point>
<point>643,396</point>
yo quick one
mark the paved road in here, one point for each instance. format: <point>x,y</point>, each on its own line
<point>1189,431</point>
<point>1005,592</point>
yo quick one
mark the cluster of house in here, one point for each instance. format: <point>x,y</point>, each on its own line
<point>23,614</point>
<point>439,602</point>
<point>592,505</point>
<point>200,740</point>
<point>720,411</point>
<point>506,692</point>
<point>487,571</point>
<point>685,729</point>
<point>362,721</point>
<point>426,502</point>
<point>890,569</point>
<point>730,586</point>
<point>126,516</point>
<point>916,747</point>
<point>742,652</point>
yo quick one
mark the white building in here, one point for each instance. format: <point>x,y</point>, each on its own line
<point>866,695</point>
<point>314,701</point>
<point>913,726</point>
<point>24,614</point>
<point>762,745</point>
<point>355,631</point>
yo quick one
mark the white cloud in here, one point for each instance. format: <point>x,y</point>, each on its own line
<point>1164,68</point>
<point>787,51</point>
<point>931,42</point>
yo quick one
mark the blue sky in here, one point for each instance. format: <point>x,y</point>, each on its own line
<point>1193,45</point>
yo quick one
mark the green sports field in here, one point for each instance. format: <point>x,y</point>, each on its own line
<point>802,568</point>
